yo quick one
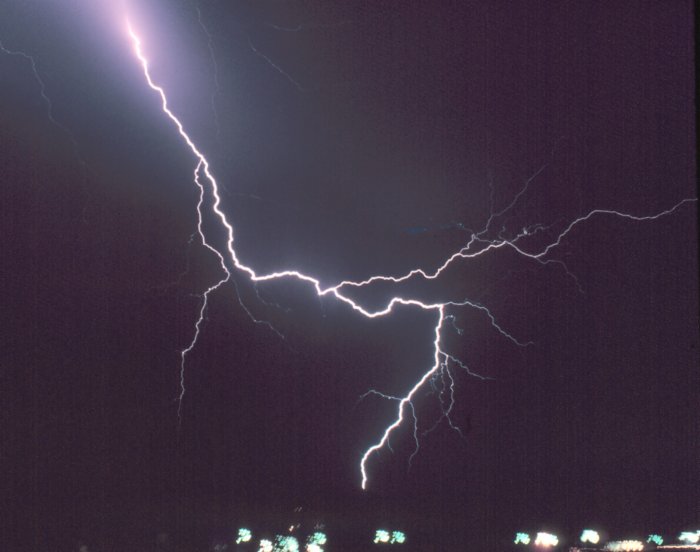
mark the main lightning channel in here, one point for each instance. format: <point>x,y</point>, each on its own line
<point>476,246</point>
<point>203,167</point>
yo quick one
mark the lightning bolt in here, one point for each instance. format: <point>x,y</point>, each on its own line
<point>477,245</point>
<point>39,80</point>
<point>45,98</point>
<point>274,65</point>
<point>215,66</point>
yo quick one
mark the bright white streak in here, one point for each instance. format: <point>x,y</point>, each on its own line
<point>203,166</point>
<point>483,246</point>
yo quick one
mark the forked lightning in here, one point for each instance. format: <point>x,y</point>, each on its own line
<point>477,245</point>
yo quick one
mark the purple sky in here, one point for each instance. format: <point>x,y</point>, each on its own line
<point>351,139</point>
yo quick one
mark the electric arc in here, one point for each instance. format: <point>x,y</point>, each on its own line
<point>478,244</point>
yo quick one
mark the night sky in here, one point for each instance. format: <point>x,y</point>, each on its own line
<point>349,139</point>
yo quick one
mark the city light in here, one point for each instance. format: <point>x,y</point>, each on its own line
<point>381,536</point>
<point>285,543</point>
<point>689,537</point>
<point>317,538</point>
<point>315,542</point>
<point>625,545</point>
<point>589,535</point>
<point>244,535</point>
<point>522,538</point>
<point>546,540</point>
<point>656,539</point>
